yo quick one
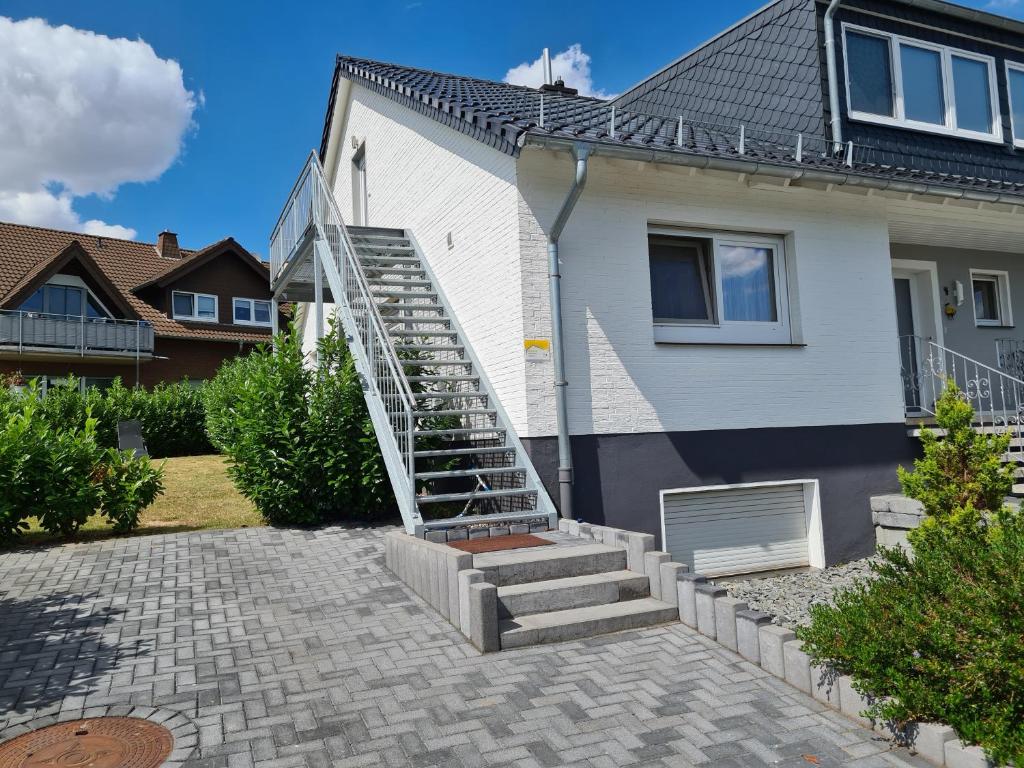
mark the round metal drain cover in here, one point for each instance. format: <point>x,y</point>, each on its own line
<point>101,742</point>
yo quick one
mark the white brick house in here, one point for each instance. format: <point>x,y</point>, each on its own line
<point>730,328</point>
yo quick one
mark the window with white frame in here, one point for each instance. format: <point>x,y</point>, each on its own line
<point>251,312</point>
<point>194,306</point>
<point>718,288</point>
<point>1015,86</point>
<point>990,291</point>
<point>899,81</point>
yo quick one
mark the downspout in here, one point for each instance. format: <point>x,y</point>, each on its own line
<point>581,153</point>
<point>833,78</point>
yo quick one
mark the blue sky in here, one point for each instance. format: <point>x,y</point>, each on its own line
<point>260,73</point>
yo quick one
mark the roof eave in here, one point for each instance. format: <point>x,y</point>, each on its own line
<point>767,168</point>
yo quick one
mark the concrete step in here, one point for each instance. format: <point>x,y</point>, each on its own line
<point>522,566</point>
<point>574,623</point>
<point>573,592</point>
<point>1018,489</point>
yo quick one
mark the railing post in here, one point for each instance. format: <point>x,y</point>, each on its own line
<point>21,332</point>
<point>82,328</point>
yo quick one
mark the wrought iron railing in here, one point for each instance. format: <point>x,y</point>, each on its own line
<point>74,333</point>
<point>928,368</point>
<point>1010,356</point>
<point>311,212</point>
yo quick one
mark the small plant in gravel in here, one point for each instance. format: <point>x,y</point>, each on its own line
<point>938,634</point>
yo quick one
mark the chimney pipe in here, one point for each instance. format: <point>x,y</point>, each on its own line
<point>167,245</point>
<point>546,57</point>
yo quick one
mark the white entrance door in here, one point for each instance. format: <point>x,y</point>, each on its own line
<point>916,296</point>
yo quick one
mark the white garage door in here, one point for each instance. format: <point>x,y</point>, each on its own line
<point>722,531</point>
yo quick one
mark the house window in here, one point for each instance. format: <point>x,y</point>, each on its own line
<point>194,306</point>
<point>66,301</point>
<point>894,80</point>
<point>251,312</point>
<point>991,294</point>
<point>1015,85</point>
<point>718,288</point>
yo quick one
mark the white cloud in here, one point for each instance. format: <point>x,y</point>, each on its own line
<point>83,114</point>
<point>1002,5</point>
<point>572,65</point>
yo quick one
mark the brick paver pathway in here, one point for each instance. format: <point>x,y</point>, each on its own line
<point>292,648</point>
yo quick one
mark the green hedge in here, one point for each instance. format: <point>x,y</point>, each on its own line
<point>172,416</point>
<point>938,635</point>
<point>298,438</point>
<point>62,475</point>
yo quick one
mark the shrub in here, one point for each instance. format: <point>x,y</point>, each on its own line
<point>937,634</point>
<point>299,440</point>
<point>171,415</point>
<point>62,476</point>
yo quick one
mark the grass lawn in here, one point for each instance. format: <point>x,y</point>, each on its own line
<point>197,494</point>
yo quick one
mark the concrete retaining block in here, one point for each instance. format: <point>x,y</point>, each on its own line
<point>652,567</point>
<point>706,596</point>
<point>637,546</point>
<point>479,533</point>
<point>669,582</point>
<point>573,527</point>
<point>519,528</point>
<point>539,527</point>
<point>436,537</point>
<point>597,533</point>
<point>929,740</point>
<point>726,609</point>
<point>823,685</point>
<point>851,701</point>
<point>687,587</point>
<point>563,524</point>
<point>797,664</point>
<point>456,564</point>
<point>585,530</point>
<point>498,530</point>
<point>959,755</point>
<point>772,638</point>
<point>748,645</point>
<point>458,534</point>
<point>468,578</point>
<point>483,616</point>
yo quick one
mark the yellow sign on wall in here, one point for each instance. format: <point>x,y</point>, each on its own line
<point>537,350</point>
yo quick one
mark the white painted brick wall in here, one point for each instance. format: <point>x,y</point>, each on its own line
<point>621,381</point>
<point>430,179</point>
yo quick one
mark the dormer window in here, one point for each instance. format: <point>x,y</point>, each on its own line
<point>1015,83</point>
<point>907,83</point>
<point>201,307</point>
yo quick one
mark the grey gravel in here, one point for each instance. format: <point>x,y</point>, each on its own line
<point>789,597</point>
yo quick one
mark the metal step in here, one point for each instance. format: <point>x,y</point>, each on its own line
<point>443,474</point>
<point>443,453</point>
<point>428,379</point>
<point>430,347</point>
<point>437,364</point>
<point>460,432</point>
<point>411,334</point>
<point>366,249</point>
<point>394,281</point>
<point>386,294</point>
<point>476,495</point>
<point>401,306</point>
<point>467,412</point>
<point>369,261</point>
<point>450,395</point>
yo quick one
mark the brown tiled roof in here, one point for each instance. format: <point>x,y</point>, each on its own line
<point>25,253</point>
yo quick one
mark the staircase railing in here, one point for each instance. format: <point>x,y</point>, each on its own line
<point>1010,356</point>
<point>928,368</point>
<point>311,218</point>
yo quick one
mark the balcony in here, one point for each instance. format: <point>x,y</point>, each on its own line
<point>42,335</point>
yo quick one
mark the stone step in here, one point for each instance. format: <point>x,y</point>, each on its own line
<point>573,592</point>
<point>523,566</point>
<point>575,623</point>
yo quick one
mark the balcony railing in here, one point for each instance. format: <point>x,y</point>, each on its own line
<point>33,331</point>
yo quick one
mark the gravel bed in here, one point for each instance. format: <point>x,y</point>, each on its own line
<point>789,597</point>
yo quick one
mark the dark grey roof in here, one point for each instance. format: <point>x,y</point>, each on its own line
<point>505,116</point>
<point>762,71</point>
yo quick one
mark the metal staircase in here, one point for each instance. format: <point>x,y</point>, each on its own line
<point>452,457</point>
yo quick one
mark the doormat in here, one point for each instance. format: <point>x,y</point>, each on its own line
<point>498,543</point>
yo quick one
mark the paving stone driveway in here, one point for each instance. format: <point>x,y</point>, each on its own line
<point>299,649</point>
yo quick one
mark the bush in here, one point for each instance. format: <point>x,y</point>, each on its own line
<point>937,634</point>
<point>171,415</point>
<point>299,441</point>
<point>62,476</point>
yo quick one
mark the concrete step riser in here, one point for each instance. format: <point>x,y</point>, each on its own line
<point>556,568</point>
<point>561,598</point>
<point>514,636</point>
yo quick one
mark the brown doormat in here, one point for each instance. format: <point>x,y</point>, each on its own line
<point>498,543</point>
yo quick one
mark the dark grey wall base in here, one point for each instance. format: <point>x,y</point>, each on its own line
<point>618,477</point>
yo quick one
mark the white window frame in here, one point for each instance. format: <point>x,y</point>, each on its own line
<point>717,330</point>
<point>1004,310</point>
<point>252,312</point>
<point>995,136</point>
<point>1013,66</point>
<point>195,318</point>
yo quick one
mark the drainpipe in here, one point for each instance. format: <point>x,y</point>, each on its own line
<point>833,78</point>
<point>580,152</point>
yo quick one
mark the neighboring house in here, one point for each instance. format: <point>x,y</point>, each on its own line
<point>99,307</point>
<point>771,264</point>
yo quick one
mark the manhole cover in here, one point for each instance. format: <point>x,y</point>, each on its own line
<point>102,742</point>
